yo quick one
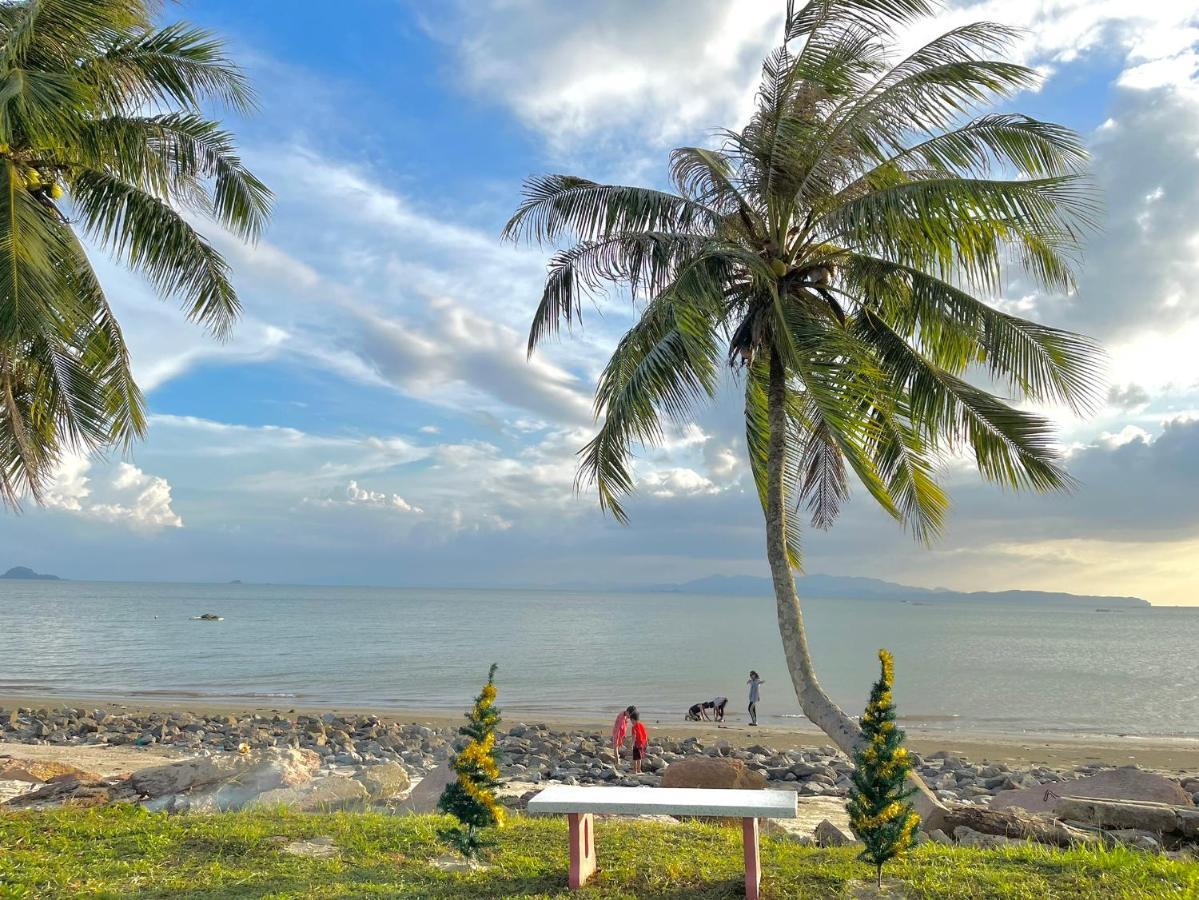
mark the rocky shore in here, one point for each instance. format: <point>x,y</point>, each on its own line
<point>350,745</point>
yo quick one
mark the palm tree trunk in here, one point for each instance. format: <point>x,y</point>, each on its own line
<point>815,703</point>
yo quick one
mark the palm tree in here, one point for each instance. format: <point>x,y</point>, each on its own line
<point>103,139</point>
<point>836,252</point>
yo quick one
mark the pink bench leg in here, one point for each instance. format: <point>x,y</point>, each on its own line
<point>582,848</point>
<point>753,862</point>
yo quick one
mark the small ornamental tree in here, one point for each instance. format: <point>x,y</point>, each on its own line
<point>471,798</point>
<point>879,814</point>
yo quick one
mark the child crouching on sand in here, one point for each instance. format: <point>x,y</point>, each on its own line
<point>640,741</point>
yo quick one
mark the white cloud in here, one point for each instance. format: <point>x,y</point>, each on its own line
<point>125,495</point>
<point>673,69</point>
<point>360,496</point>
<point>678,482</point>
<point>664,69</point>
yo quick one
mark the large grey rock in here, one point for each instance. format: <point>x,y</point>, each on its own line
<point>1125,783</point>
<point>228,781</point>
<point>336,792</point>
<point>423,798</point>
<point>388,781</point>
<point>1156,818</point>
<point>175,778</point>
<point>829,835</point>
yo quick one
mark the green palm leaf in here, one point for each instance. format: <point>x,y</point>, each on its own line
<point>840,246</point>
<point>102,118</point>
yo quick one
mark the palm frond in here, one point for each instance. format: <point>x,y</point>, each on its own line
<point>558,205</point>
<point>666,363</point>
<point>157,241</point>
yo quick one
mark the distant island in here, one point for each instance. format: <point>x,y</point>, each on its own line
<point>849,587</point>
<point>858,588</point>
<point>24,573</point>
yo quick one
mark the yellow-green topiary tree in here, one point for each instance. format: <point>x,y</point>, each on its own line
<point>879,814</point>
<point>471,798</point>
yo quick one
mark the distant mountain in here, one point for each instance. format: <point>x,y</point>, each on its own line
<point>23,573</point>
<point>855,588</point>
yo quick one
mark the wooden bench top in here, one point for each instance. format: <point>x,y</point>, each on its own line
<point>645,801</point>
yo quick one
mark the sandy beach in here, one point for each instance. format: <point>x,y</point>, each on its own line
<point>1057,750</point>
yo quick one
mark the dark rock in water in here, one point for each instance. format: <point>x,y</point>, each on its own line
<point>24,573</point>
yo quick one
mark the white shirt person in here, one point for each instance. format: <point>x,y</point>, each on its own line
<point>754,681</point>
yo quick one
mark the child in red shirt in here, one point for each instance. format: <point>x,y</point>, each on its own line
<point>640,741</point>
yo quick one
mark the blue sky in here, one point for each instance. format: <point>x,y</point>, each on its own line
<point>374,419</point>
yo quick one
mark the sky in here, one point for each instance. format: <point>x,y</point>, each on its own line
<point>374,419</point>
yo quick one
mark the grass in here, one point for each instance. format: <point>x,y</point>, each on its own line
<point>129,853</point>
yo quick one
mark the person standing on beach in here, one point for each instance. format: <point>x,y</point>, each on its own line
<point>640,741</point>
<point>754,681</point>
<point>620,728</point>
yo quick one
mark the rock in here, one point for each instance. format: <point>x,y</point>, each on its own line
<point>940,837</point>
<point>74,793</point>
<point>1125,783</point>
<point>711,772</point>
<point>388,781</point>
<point>1155,818</point>
<point>315,848</point>
<point>968,837</point>
<point>38,770</point>
<point>829,835</point>
<point>1140,840</point>
<point>423,798</point>
<point>246,775</point>
<point>337,792</point>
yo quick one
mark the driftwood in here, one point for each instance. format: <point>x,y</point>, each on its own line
<point>1140,814</point>
<point>1016,823</point>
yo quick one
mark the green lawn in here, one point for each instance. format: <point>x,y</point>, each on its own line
<point>125,852</point>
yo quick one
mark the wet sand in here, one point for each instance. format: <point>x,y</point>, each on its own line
<point>1055,750</point>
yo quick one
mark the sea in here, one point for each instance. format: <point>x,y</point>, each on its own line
<point>962,667</point>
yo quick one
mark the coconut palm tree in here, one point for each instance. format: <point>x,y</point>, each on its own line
<point>838,252</point>
<point>104,144</point>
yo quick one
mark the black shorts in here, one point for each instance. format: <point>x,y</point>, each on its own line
<point>638,753</point>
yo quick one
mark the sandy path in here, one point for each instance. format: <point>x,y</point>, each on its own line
<point>102,760</point>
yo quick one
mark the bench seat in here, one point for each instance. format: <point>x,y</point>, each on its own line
<point>580,804</point>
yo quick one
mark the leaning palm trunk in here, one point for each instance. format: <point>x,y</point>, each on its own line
<point>815,703</point>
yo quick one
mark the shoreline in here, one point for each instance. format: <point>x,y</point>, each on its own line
<point>1056,750</point>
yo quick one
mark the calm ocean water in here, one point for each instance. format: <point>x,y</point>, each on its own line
<point>984,668</point>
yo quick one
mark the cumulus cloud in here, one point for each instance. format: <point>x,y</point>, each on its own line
<point>662,69</point>
<point>355,495</point>
<point>124,494</point>
<point>678,482</point>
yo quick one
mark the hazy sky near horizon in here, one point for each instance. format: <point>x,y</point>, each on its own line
<point>374,419</point>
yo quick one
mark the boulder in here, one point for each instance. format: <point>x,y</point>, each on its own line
<point>38,770</point>
<point>236,777</point>
<point>712,772</point>
<point>1156,818</point>
<point>423,798</point>
<point>336,792</point>
<point>388,781</point>
<point>1125,783</point>
<point>829,835</point>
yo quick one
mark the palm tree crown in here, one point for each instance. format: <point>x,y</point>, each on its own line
<point>102,137</point>
<point>838,246</point>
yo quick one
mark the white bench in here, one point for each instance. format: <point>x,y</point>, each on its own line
<point>581,803</point>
